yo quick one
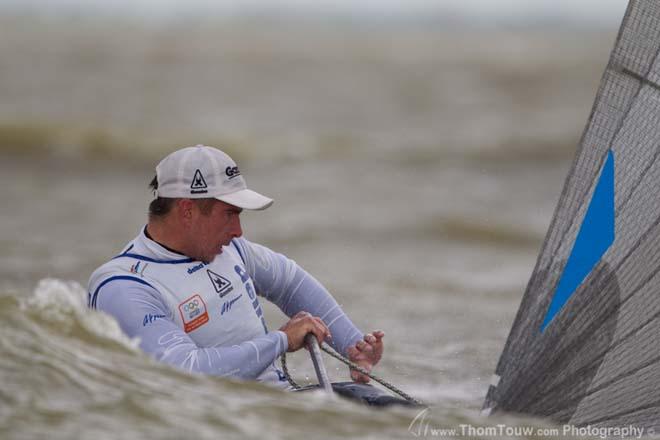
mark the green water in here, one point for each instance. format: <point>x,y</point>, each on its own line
<point>414,171</point>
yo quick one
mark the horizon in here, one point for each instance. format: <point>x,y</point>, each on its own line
<point>481,13</point>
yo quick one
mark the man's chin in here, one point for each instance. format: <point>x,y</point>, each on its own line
<point>209,260</point>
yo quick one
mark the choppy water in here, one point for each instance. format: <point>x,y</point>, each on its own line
<point>414,172</point>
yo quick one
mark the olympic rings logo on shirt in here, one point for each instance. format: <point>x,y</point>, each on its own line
<point>191,306</point>
<point>193,313</point>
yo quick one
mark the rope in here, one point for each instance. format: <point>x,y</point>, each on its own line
<point>356,367</point>
<point>285,370</point>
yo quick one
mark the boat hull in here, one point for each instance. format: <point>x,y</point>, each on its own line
<point>364,393</point>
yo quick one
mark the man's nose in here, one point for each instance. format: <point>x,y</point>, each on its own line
<point>237,231</point>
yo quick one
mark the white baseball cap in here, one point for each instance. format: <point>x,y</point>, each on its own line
<point>202,172</point>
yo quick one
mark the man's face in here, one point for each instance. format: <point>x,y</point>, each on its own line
<point>209,232</point>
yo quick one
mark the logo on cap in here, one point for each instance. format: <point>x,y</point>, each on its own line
<point>221,284</point>
<point>198,185</point>
<point>232,172</point>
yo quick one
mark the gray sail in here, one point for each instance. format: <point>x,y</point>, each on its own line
<point>585,345</point>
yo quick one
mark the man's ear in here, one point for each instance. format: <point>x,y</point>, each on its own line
<point>185,209</point>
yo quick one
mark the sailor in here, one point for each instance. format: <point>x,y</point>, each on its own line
<point>188,285</point>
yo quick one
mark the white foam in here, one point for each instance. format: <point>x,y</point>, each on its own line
<point>61,301</point>
<point>56,299</point>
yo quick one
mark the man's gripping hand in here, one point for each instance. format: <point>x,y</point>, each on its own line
<point>301,324</point>
<point>366,354</point>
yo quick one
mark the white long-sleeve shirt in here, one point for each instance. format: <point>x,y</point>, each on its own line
<point>206,317</point>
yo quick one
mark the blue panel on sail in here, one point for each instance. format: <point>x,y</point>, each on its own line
<point>595,237</point>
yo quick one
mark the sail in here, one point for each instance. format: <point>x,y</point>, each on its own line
<point>585,344</point>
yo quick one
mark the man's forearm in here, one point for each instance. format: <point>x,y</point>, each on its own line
<point>292,289</point>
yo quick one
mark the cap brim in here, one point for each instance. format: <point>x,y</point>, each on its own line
<point>247,199</point>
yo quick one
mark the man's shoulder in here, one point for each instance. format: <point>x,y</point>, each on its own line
<point>248,251</point>
<point>115,266</point>
<point>244,245</point>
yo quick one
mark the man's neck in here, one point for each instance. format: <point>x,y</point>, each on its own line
<point>155,231</point>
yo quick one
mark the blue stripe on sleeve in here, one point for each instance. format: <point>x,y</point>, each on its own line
<point>119,277</point>
<point>153,260</point>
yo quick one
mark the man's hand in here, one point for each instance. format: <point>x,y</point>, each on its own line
<point>366,354</point>
<point>301,324</point>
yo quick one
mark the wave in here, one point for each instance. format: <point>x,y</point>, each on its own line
<point>69,372</point>
<point>62,306</point>
<point>484,233</point>
<point>294,92</point>
<point>93,144</point>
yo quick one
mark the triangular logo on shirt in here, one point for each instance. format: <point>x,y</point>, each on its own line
<point>221,284</point>
<point>198,185</point>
